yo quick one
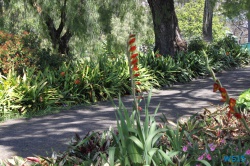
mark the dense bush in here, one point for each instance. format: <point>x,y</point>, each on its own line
<point>16,51</point>
<point>197,45</point>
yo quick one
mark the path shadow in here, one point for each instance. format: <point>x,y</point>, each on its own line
<point>39,136</point>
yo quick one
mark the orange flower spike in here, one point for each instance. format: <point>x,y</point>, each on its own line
<point>136,75</point>
<point>131,41</point>
<point>135,68</point>
<point>134,62</point>
<point>132,49</point>
<point>133,56</point>
<point>231,110</point>
<point>232,102</point>
<point>216,87</point>
<point>223,94</point>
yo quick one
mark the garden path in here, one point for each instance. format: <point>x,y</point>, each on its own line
<point>41,135</point>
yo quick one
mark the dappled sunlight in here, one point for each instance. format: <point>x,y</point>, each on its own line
<point>41,135</point>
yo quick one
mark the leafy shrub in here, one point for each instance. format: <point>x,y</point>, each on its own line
<point>228,43</point>
<point>46,58</point>
<point>226,53</point>
<point>27,94</point>
<point>164,68</point>
<point>24,51</point>
<point>244,100</point>
<point>197,45</point>
<point>16,52</point>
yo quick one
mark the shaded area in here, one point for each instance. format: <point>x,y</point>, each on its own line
<point>39,136</point>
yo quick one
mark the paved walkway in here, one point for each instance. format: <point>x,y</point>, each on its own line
<point>39,136</point>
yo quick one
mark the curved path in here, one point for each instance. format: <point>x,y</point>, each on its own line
<point>39,136</point>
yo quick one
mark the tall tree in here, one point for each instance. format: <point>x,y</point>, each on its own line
<point>59,36</point>
<point>208,21</point>
<point>248,30</point>
<point>167,33</point>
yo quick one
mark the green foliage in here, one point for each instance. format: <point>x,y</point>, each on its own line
<point>55,83</point>
<point>244,100</point>
<point>136,143</point>
<point>91,23</point>
<point>16,51</point>
<point>197,45</point>
<point>226,53</point>
<point>235,8</point>
<point>190,17</point>
<point>162,67</point>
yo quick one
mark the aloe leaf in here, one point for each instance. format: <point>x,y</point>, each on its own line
<point>137,142</point>
<point>111,156</point>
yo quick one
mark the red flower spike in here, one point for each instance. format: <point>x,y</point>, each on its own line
<point>134,62</point>
<point>232,102</point>
<point>133,56</point>
<point>135,68</point>
<point>222,90</point>
<point>224,97</point>
<point>136,75</point>
<point>139,109</point>
<point>216,87</point>
<point>231,110</point>
<point>223,94</point>
<point>132,49</point>
<point>238,115</point>
<point>131,41</point>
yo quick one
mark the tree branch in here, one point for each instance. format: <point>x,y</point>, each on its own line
<point>63,18</point>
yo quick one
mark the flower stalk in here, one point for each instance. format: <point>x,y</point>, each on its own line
<point>133,66</point>
<point>225,97</point>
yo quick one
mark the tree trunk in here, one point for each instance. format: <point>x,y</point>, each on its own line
<point>1,7</point>
<point>167,34</point>
<point>208,21</point>
<point>248,31</point>
<point>59,41</point>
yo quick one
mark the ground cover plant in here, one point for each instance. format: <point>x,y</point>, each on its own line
<point>220,137</point>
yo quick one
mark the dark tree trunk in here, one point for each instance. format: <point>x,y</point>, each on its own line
<point>208,21</point>
<point>167,34</point>
<point>59,41</point>
<point>1,7</point>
